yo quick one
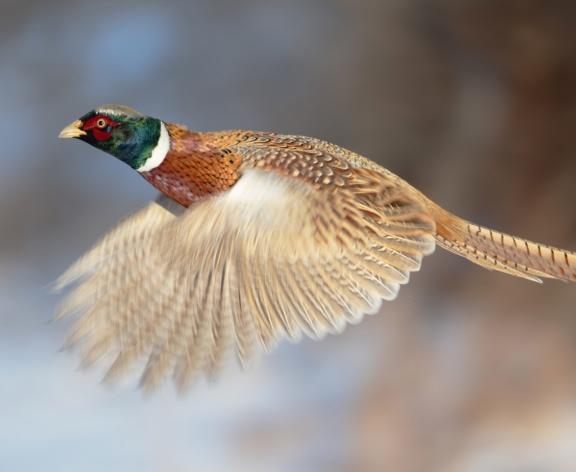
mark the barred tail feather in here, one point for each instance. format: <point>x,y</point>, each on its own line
<point>502,252</point>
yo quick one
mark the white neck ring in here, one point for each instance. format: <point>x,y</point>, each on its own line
<point>159,152</point>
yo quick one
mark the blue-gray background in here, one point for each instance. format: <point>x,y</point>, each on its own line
<point>474,102</point>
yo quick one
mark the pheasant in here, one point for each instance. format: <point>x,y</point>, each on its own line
<point>256,237</point>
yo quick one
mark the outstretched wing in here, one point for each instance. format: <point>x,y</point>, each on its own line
<point>274,257</point>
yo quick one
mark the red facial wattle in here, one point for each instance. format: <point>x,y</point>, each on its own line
<point>100,126</point>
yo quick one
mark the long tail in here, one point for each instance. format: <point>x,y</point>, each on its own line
<point>498,251</point>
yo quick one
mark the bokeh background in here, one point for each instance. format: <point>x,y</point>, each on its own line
<point>472,101</point>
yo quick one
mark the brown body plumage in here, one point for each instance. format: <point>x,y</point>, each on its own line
<point>283,236</point>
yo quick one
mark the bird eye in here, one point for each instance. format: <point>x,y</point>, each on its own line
<point>101,123</point>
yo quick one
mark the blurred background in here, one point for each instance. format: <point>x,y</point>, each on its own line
<point>472,101</point>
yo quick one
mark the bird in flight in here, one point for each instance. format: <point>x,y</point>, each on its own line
<point>256,237</point>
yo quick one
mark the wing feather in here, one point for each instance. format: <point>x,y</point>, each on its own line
<point>272,258</point>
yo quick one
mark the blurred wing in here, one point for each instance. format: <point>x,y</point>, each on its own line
<point>272,257</point>
<point>128,234</point>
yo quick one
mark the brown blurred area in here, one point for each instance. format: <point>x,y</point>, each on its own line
<point>473,102</point>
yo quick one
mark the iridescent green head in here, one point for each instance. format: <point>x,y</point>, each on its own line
<point>123,132</point>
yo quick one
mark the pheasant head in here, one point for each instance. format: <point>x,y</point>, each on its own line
<point>182,164</point>
<point>133,138</point>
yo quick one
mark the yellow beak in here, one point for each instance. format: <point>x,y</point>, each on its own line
<point>73,130</point>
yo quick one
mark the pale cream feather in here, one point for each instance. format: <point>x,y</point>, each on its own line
<point>272,258</point>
